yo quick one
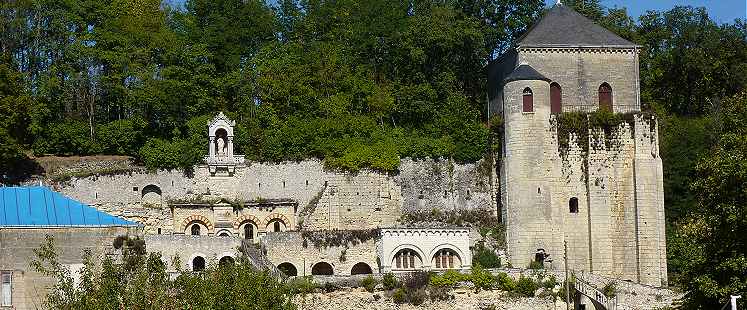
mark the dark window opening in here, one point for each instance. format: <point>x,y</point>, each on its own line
<point>573,205</point>
<point>198,264</point>
<point>225,261</point>
<point>248,231</point>
<point>528,100</point>
<point>134,189</point>
<point>605,97</point>
<point>288,269</point>
<point>322,269</point>
<point>195,229</point>
<point>276,227</point>
<point>223,234</point>
<point>556,98</point>
<point>361,268</point>
<point>159,231</point>
<point>283,184</point>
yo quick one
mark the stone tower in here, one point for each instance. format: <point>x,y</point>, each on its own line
<point>604,199</point>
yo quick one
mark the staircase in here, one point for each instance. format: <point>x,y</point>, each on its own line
<point>596,296</point>
<point>258,259</point>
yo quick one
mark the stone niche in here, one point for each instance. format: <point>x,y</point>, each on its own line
<point>221,159</point>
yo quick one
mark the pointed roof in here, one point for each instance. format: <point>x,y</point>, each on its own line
<point>562,26</point>
<point>524,72</point>
<point>37,206</point>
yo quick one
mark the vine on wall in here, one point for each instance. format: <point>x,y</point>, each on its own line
<point>336,238</point>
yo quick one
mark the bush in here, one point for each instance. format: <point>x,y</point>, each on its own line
<point>330,287</point>
<point>399,296</point>
<point>389,281</point>
<point>440,293</point>
<point>416,280</point>
<point>550,282</point>
<point>449,279</point>
<point>610,289</point>
<point>302,285</point>
<point>526,286</point>
<point>416,296</point>
<point>369,283</point>
<point>482,279</point>
<point>485,257</point>
<point>505,282</point>
<point>535,265</point>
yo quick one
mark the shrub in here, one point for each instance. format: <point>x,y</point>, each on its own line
<point>482,279</point>
<point>505,282</point>
<point>526,286</point>
<point>389,281</point>
<point>416,280</point>
<point>302,285</point>
<point>485,257</point>
<point>610,289</point>
<point>439,293</point>
<point>416,296</point>
<point>449,279</point>
<point>535,265</point>
<point>330,287</point>
<point>399,296</point>
<point>550,282</point>
<point>369,283</point>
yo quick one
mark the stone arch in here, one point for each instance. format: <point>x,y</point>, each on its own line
<point>197,218</point>
<point>606,99</point>
<point>322,269</point>
<point>451,249</point>
<point>288,269</point>
<point>151,193</point>
<point>245,218</point>
<point>361,268</point>
<point>226,260</point>
<point>197,261</point>
<point>276,217</point>
<point>527,100</point>
<point>411,263</point>
<point>224,233</point>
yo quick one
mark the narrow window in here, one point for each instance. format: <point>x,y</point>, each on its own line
<point>556,98</point>
<point>195,230</point>
<point>159,231</point>
<point>528,100</point>
<point>398,259</point>
<point>276,227</point>
<point>573,205</point>
<point>605,97</point>
<point>248,231</point>
<point>6,288</point>
<point>198,264</point>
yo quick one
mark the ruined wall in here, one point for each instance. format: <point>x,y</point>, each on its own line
<point>17,245</point>
<point>182,249</point>
<point>288,247</point>
<point>326,199</point>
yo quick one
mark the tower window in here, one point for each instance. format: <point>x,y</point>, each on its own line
<point>573,205</point>
<point>605,97</point>
<point>556,98</point>
<point>528,100</point>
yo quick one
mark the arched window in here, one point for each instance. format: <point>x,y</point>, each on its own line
<point>407,259</point>
<point>605,97</point>
<point>361,268</point>
<point>195,229</point>
<point>446,259</point>
<point>248,231</point>
<point>224,234</point>
<point>322,269</point>
<point>573,205</point>
<point>198,263</point>
<point>288,269</point>
<point>276,226</point>
<point>556,98</point>
<point>528,100</point>
<point>225,261</point>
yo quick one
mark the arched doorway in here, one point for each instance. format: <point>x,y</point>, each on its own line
<point>322,269</point>
<point>225,261</point>
<point>361,268</point>
<point>288,269</point>
<point>198,263</point>
<point>248,230</point>
<point>556,98</point>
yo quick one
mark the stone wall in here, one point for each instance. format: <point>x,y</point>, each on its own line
<point>327,199</point>
<point>182,249</point>
<point>17,245</point>
<point>289,247</point>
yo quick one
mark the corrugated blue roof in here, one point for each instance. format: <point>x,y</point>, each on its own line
<point>40,206</point>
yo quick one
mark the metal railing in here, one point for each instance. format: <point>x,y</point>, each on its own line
<point>609,303</point>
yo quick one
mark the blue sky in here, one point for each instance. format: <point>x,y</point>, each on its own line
<point>722,11</point>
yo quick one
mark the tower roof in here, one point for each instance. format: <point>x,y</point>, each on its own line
<point>38,206</point>
<point>524,72</point>
<point>562,26</point>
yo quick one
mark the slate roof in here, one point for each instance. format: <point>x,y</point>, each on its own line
<point>524,72</point>
<point>562,26</point>
<point>41,207</point>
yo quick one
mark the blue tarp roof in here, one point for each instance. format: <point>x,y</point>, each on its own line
<point>40,206</point>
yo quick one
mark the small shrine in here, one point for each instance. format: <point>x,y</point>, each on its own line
<point>220,154</point>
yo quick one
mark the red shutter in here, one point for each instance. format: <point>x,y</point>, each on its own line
<point>605,97</point>
<point>528,103</point>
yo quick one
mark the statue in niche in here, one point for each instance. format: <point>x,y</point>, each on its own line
<point>221,146</point>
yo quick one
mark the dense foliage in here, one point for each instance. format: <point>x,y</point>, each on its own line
<point>358,83</point>
<point>140,281</point>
